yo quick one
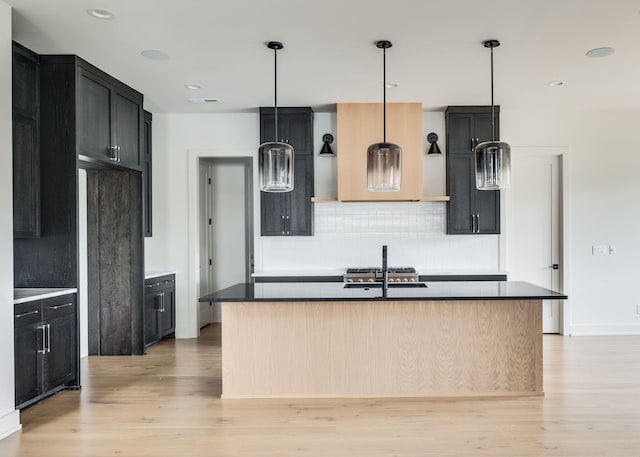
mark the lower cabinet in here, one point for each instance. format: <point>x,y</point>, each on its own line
<point>46,349</point>
<point>159,308</point>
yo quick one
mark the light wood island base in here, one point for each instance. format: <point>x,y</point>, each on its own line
<point>382,349</point>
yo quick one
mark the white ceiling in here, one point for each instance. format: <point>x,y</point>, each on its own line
<point>437,56</point>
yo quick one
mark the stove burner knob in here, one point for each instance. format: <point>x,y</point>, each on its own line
<point>405,280</point>
<point>391,280</point>
<point>350,280</point>
<point>370,280</point>
<point>360,280</point>
<point>413,280</point>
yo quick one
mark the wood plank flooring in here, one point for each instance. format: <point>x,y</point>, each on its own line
<point>168,404</point>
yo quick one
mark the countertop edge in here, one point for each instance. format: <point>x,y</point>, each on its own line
<point>43,295</point>
<point>157,274</point>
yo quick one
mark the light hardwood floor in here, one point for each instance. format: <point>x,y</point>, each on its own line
<point>168,404</point>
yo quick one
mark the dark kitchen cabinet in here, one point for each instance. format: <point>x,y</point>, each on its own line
<point>159,308</point>
<point>469,211</point>
<point>290,213</point>
<point>26,143</point>
<point>108,118</point>
<point>147,189</point>
<point>46,348</point>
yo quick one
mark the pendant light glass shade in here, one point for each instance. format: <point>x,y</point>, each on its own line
<point>275,162</point>
<point>493,165</point>
<point>275,159</point>
<point>492,158</point>
<point>384,165</point>
<point>384,160</point>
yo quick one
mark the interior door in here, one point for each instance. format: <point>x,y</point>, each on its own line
<point>534,228</point>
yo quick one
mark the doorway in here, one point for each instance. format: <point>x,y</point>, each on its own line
<point>535,226</point>
<point>225,228</point>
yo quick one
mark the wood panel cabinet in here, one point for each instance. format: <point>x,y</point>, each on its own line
<point>46,349</point>
<point>359,126</point>
<point>147,181</point>
<point>26,143</point>
<point>290,213</point>
<point>159,308</point>
<point>469,211</point>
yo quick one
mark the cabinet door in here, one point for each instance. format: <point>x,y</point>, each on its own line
<point>26,146</point>
<point>298,132</point>
<point>151,311</point>
<point>26,178</point>
<point>60,361</point>
<point>147,181</point>
<point>461,190</point>
<point>300,210</point>
<point>460,133</point>
<point>167,316</point>
<point>127,129</point>
<point>28,344</point>
<point>272,213</point>
<point>94,116</point>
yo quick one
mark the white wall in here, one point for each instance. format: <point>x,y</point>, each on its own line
<point>604,182</point>
<point>9,417</point>
<point>178,141</point>
<point>604,188</point>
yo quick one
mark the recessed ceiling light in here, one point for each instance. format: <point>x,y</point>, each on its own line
<point>154,54</point>
<point>204,100</point>
<point>600,52</point>
<point>100,13</point>
<point>193,86</point>
<point>555,83</point>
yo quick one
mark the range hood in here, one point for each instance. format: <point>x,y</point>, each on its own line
<point>359,127</point>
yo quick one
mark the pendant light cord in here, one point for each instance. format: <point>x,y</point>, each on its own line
<point>384,94</point>
<point>493,122</point>
<point>275,90</point>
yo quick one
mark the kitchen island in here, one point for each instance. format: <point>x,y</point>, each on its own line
<point>327,340</point>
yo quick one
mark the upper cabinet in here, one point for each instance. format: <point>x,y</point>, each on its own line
<point>26,147</point>
<point>109,120</point>
<point>469,211</point>
<point>359,126</point>
<point>289,213</point>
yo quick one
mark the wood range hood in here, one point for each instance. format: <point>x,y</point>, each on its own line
<point>359,126</point>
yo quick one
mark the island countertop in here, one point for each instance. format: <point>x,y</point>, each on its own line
<point>336,291</point>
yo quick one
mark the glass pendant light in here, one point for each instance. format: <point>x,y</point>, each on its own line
<point>384,160</point>
<point>493,158</point>
<point>275,159</point>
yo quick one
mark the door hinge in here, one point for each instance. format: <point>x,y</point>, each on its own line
<point>210,262</point>
<point>209,221</point>
<point>208,180</point>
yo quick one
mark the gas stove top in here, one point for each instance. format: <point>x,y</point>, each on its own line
<point>373,274</point>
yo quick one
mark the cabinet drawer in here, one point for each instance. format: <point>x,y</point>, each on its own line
<point>153,285</point>
<point>27,313</point>
<point>58,306</point>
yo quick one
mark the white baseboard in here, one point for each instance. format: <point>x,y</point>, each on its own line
<point>605,329</point>
<point>10,423</point>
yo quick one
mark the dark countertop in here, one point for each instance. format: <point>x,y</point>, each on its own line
<point>335,291</point>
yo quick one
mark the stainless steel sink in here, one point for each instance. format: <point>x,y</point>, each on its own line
<point>392,285</point>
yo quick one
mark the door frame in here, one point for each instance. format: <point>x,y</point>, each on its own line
<point>564,158</point>
<point>251,176</point>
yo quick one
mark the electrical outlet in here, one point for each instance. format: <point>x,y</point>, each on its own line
<point>599,249</point>
<point>612,249</point>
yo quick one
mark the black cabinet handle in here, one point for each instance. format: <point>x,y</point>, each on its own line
<point>44,336</point>
<point>555,266</point>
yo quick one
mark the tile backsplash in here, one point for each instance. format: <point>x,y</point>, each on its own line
<point>351,234</point>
